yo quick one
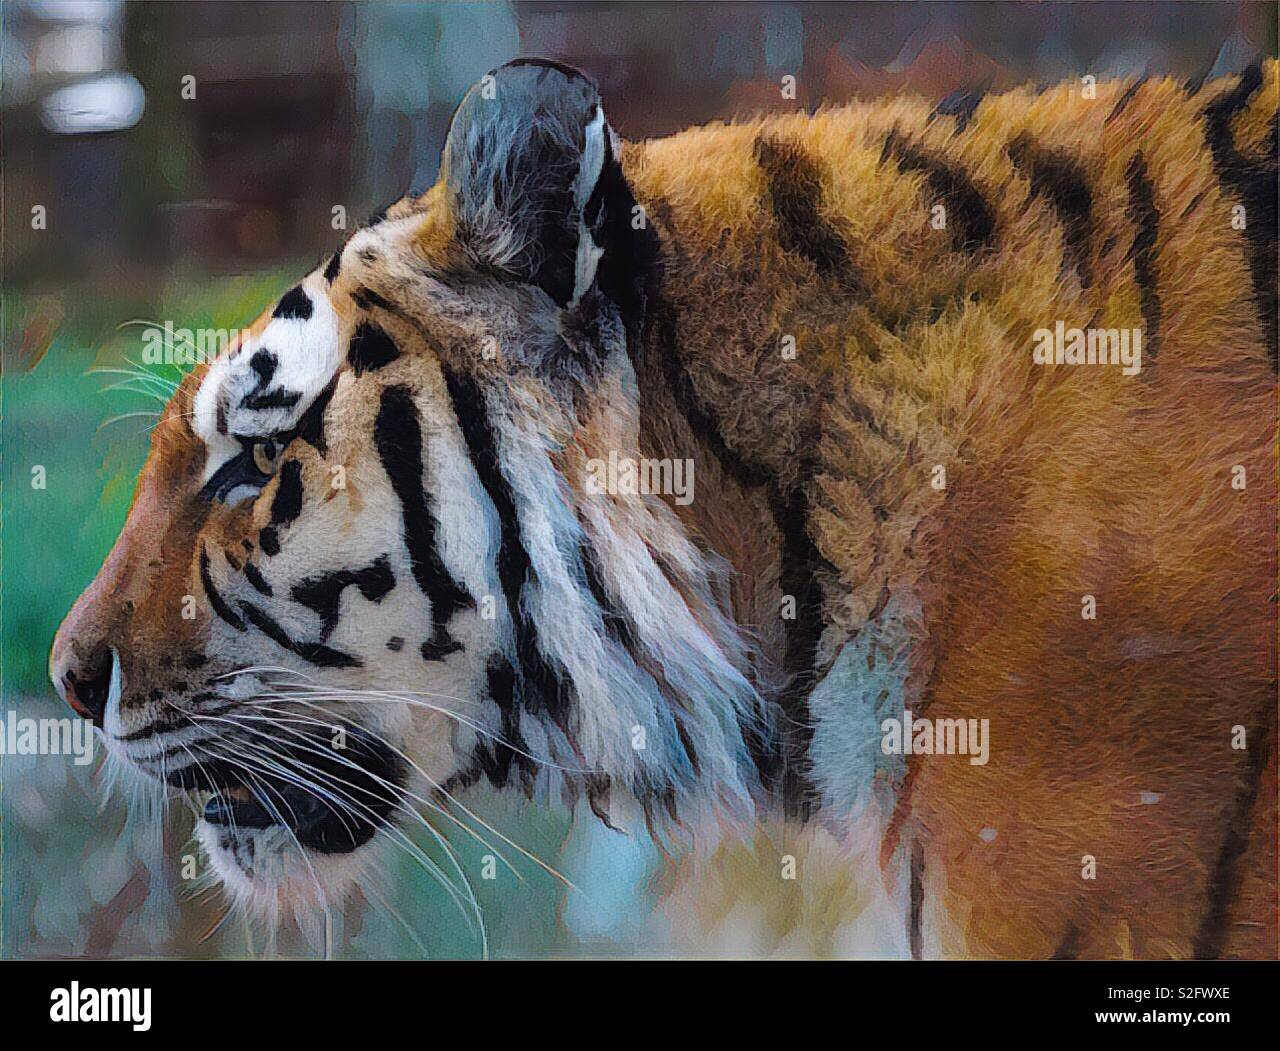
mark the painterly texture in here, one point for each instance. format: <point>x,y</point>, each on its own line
<point>381,495</point>
<point>913,350</point>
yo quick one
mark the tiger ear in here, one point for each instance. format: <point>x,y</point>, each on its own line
<point>529,169</point>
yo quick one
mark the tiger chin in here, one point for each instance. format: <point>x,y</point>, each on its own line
<point>383,505</point>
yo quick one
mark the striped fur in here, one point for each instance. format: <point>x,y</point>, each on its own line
<point>467,358</point>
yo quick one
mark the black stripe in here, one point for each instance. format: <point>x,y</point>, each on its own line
<point>800,563</point>
<point>1211,937</point>
<point>505,751</point>
<point>1255,184</point>
<point>961,104</point>
<point>158,726</point>
<point>617,623</point>
<point>322,594</point>
<point>1054,176</point>
<point>279,399</point>
<point>780,759</point>
<point>259,582</point>
<point>294,304</point>
<point>264,365</point>
<point>287,504</point>
<point>767,752</point>
<point>370,348</point>
<point>795,197</point>
<point>1146,218</point>
<point>621,628</point>
<point>916,933</point>
<point>971,220</point>
<point>333,266</point>
<point>269,541</point>
<point>178,721</point>
<point>783,759</point>
<point>439,646</point>
<point>218,603</point>
<point>320,656</point>
<point>544,687</point>
<point>397,435</point>
<point>311,427</point>
<point>1195,83</point>
<point>702,420</point>
<point>367,298</point>
<point>686,742</point>
<point>1122,103</point>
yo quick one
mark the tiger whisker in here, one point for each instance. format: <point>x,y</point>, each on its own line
<point>400,805</point>
<point>309,683</point>
<point>321,896</point>
<point>339,694</point>
<point>298,717</point>
<point>453,799</point>
<point>349,804</point>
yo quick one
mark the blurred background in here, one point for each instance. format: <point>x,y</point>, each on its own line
<point>183,163</point>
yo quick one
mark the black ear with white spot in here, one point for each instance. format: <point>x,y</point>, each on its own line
<point>536,189</point>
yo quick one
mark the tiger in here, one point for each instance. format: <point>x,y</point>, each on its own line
<point>406,536</point>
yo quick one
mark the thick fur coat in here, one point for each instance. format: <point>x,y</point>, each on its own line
<point>900,505</point>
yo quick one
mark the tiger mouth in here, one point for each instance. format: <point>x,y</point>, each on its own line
<point>331,801</point>
<point>317,823</point>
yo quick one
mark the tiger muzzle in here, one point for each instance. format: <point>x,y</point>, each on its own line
<point>332,798</point>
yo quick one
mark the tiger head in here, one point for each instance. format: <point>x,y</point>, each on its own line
<point>364,567</point>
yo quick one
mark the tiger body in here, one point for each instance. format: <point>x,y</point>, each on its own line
<point>913,349</point>
<point>897,509</point>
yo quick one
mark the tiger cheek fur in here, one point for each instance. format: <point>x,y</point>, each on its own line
<point>367,567</point>
<point>278,643</point>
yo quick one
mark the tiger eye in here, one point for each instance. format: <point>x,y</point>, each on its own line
<point>266,456</point>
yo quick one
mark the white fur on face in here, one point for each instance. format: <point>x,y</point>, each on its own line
<point>589,253</point>
<point>266,873</point>
<point>304,354</point>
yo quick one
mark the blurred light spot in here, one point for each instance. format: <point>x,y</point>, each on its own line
<point>74,51</point>
<point>110,103</point>
<point>76,10</point>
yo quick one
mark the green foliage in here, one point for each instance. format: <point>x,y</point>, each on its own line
<point>73,414</point>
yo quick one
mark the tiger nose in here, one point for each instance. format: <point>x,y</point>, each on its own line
<point>85,684</point>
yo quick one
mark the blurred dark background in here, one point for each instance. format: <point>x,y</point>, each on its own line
<point>300,108</point>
